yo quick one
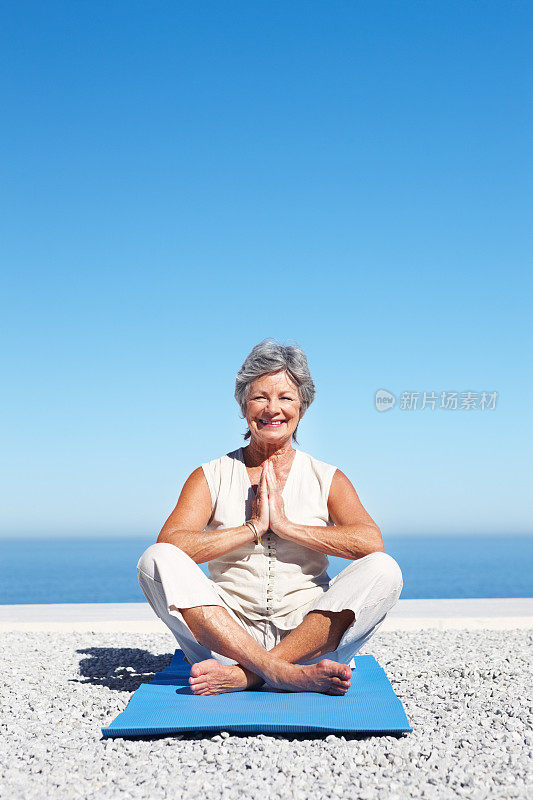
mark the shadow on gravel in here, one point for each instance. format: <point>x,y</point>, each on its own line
<point>207,736</point>
<point>120,668</point>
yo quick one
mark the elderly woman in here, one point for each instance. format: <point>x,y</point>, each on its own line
<point>265,517</point>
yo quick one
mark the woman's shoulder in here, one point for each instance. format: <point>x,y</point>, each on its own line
<point>317,463</point>
<point>222,468</point>
<point>219,471</point>
<point>318,470</point>
<point>233,455</point>
<point>317,475</point>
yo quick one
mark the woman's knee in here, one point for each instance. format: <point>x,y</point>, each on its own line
<point>388,569</point>
<point>149,560</point>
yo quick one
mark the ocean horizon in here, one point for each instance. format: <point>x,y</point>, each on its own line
<point>103,570</point>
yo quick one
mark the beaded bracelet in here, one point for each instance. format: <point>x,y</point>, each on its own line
<point>257,536</point>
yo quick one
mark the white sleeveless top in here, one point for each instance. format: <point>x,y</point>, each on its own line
<point>275,578</point>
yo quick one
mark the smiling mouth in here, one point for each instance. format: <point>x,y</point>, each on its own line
<point>272,423</point>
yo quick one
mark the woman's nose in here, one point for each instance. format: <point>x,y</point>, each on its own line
<point>273,406</point>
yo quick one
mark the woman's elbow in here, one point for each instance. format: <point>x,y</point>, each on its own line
<point>162,538</point>
<point>377,541</point>
<point>168,537</point>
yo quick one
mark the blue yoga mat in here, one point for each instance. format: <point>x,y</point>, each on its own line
<point>167,705</point>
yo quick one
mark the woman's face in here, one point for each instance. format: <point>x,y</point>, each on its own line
<point>273,408</point>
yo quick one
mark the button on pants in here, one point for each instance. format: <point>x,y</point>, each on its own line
<point>170,580</point>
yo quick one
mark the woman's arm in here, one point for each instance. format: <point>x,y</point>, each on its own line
<point>185,526</point>
<point>355,533</point>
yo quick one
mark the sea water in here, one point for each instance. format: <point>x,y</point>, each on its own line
<point>96,570</point>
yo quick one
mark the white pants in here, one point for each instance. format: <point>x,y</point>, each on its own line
<point>170,579</point>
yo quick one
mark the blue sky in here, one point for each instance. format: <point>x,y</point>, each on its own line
<point>181,180</point>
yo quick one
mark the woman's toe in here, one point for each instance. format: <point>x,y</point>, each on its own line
<point>345,674</point>
<point>340,681</point>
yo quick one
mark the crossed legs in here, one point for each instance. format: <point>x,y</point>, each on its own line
<point>320,632</point>
<point>225,657</point>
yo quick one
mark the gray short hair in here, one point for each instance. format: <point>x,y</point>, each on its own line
<point>268,357</point>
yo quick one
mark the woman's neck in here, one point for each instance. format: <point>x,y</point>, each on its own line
<point>256,453</point>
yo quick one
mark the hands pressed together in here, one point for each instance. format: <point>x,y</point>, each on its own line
<point>268,510</point>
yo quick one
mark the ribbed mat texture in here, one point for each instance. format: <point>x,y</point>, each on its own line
<point>167,705</point>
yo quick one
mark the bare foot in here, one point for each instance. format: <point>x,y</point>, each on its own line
<point>327,677</point>
<point>212,677</point>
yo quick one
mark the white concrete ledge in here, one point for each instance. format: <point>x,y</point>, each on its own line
<point>454,614</point>
<point>407,615</point>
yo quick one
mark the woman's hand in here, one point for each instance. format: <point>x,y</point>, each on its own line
<point>260,510</point>
<point>278,518</point>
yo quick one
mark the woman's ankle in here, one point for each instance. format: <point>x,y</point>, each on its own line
<point>252,679</point>
<point>279,671</point>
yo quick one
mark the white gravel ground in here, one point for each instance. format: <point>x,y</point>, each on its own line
<point>467,695</point>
